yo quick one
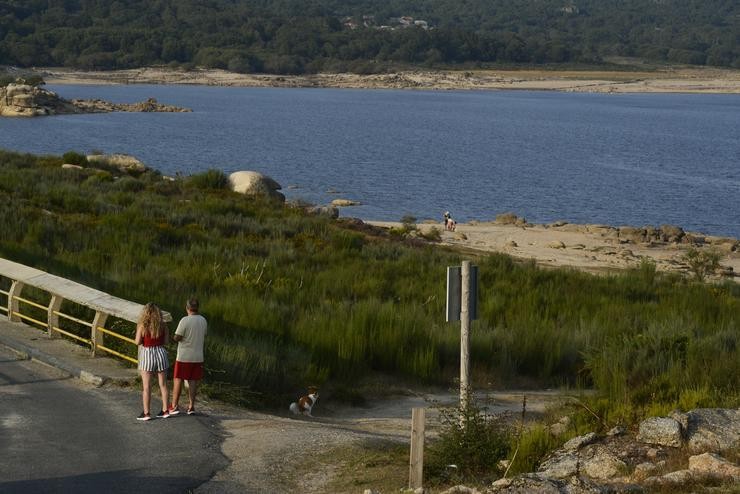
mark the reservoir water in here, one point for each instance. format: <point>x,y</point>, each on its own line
<point>634,159</point>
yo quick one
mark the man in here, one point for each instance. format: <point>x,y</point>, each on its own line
<point>190,336</point>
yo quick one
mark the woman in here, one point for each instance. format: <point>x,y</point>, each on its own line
<point>151,336</point>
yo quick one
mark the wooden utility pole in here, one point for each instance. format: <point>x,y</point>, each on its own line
<point>465,337</point>
<point>416,462</point>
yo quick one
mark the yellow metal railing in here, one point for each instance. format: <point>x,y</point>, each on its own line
<point>60,290</point>
<point>4,308</point>
<point>87,341</point>
<point>29,318</point>
<point>120,337</point>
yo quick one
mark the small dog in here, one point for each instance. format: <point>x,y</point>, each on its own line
<point>305,403</point>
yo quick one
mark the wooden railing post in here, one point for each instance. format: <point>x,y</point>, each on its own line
<point>15,291</point>
<point>55,305</point>
<point>96,336</point>
<point>416,462</point>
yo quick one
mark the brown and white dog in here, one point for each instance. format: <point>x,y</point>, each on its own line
<point>305,403</point>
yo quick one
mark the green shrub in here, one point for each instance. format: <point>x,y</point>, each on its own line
<point>129,184</point>
<point>408,222</point>
<point>28,79</point>
<point>209,180</point>
<point>702,262</point>
<point>470,445</point>
<point>530,448</point>
<point>74,158</point>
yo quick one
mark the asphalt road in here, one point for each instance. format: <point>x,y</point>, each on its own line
<point>60,435</point>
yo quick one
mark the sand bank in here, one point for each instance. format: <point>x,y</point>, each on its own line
<point>593,248</point>
<point>688,80</point>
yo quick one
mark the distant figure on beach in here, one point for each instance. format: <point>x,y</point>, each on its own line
<point>450,223</point>
<point>151,338</point>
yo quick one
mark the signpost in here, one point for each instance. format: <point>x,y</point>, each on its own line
<point>462,294</point>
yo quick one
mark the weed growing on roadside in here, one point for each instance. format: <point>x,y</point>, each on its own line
<point>470,445</point>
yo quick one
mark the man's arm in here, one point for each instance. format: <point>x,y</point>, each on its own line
<point>177,337</point>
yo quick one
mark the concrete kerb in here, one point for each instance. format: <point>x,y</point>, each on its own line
<point>32,344</point>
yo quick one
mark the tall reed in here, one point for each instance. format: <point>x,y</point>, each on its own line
<point>294,298</point>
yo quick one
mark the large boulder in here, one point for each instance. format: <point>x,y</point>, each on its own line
<point>255,184</point>
<point>344,203</point>
<point>710,464</point>
<point>663,431</point>
<point>671,233</point>
<point>632,234</point>
<point>596,462</point>
<point>22,100</point>
<point>714,430</point>
<point>510,219</point>
<point>329,211</point>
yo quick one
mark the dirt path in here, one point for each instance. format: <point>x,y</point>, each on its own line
<point>268,453</point>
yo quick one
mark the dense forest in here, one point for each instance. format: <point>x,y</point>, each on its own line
<point>364,36</point>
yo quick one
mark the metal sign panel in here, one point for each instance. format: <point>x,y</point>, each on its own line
<point>473,292</point>
<point>454,293</point>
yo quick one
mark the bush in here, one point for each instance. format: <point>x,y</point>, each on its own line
<point>209,180</point>
<point>702,262</point>
<point>31,80</point>
<point>470,445</point>
<point>74,158</point>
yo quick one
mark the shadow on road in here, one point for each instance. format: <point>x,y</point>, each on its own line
<point>123,481</point>
<point>6,380</point>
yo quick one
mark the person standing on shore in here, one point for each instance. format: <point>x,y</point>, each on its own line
<point>151,337</point>
<point>190,337</point>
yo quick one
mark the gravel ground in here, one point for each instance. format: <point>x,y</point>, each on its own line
<point>268,453</point>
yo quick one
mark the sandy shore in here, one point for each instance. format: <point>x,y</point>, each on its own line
<point>686,80</point>
<point>595,248</point>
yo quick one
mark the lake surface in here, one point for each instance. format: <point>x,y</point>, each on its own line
<point>638,159</point>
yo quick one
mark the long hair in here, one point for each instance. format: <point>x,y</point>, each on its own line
<point>151,320</point>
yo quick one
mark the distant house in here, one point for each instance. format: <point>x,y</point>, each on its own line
<point>406,20</point>
<point>421,24</point>
<point>349,23</point>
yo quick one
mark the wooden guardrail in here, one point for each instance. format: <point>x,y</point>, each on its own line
<point>61,289</point>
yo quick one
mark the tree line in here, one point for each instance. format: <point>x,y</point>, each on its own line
<point>292,37</point>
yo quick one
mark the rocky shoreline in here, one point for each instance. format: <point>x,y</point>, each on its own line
<point>662,80</point>
<point>588,247</point>
<point>23,100</point>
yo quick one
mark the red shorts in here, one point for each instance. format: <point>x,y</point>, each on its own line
<point>190,371</point>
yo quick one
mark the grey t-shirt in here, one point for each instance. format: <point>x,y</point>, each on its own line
<point>193,331</point>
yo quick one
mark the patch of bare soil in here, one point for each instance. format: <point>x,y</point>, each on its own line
<point>594,248</point>
<point>273,453</point>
